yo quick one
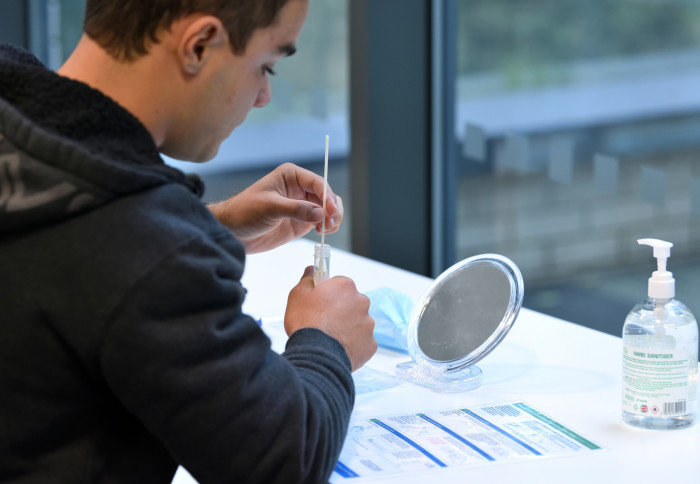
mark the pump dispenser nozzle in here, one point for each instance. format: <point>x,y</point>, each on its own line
<point>661,283</point>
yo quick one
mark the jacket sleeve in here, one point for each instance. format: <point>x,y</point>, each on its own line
<point>200,375</point>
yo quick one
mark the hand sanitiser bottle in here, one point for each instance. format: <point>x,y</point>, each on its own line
<point>659,354</point>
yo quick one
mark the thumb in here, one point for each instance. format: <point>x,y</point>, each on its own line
<point>307,279</point>
<point>308,272</point>
<point>301,210</point>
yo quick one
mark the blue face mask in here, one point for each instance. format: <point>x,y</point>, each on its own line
<point>391,311</point>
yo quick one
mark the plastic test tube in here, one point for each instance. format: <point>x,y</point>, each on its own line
<point>322,263</point>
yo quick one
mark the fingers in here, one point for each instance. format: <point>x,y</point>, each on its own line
<point>339,310</point>
<point>312,185</point>
<point>335,220</point>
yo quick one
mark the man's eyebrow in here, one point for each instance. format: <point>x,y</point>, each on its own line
<point>287,49</point>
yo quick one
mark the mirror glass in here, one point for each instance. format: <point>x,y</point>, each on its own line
<point>464,311</point>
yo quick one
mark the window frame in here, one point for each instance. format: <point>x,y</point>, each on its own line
<point>401,156</point>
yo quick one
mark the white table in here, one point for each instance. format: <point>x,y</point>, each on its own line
<point>569,372</point>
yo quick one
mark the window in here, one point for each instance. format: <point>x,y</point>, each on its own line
<point>578,125</point>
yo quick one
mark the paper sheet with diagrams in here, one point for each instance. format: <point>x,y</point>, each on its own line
<point>409,443</point>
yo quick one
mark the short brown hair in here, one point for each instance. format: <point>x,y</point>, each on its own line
<point>125,28</point>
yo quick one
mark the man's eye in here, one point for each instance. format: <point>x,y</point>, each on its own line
<point>268,70</point>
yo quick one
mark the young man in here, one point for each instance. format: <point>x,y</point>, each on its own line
<point>123,349</point>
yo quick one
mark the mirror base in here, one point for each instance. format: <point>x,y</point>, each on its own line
<point>436,376</point>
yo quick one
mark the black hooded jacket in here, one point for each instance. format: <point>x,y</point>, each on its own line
<point>123,349</point>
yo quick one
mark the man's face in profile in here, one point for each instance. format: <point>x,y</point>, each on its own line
<point>235,84</point>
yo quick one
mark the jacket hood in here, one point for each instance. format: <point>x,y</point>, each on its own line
<point>66,148</point>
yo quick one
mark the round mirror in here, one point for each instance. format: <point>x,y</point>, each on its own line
<point>465,313</point>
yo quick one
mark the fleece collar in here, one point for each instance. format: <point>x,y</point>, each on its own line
<point>66,147</point>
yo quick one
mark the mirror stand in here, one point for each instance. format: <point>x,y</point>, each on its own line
<point>438,376</point>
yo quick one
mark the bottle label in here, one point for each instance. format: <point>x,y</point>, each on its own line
<point>655,383</point>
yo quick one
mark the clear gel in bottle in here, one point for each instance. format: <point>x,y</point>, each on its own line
<point>660,354</point>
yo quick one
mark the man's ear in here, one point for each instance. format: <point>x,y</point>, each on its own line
<point>200,38</point>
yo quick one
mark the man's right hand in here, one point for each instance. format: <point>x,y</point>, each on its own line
<point>336,308</point>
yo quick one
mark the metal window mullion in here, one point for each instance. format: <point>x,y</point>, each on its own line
<point>443,146</point>
<point>390,131</point>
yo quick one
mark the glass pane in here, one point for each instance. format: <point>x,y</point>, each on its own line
<point>579,132</point>
<point>71,23</point>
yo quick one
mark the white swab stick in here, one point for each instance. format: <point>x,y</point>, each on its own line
<point>325,188</point>
<point>320,264</point>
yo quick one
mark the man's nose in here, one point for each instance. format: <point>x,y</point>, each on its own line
<point>264,95</point>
